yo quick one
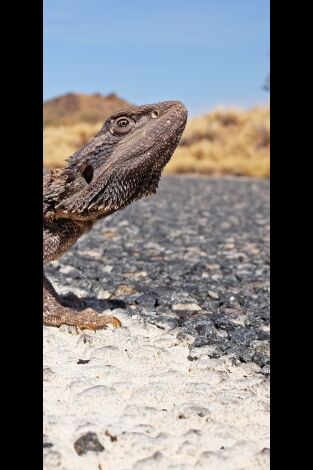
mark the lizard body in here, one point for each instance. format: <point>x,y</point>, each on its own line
<point>121,164</point>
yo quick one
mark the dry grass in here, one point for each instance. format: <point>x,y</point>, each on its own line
<point>62,141</point>
<point>223,142</point>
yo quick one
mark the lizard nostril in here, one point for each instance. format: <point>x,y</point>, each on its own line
<point>88,174</point>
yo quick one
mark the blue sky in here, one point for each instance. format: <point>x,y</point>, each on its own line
<point>203,52</point>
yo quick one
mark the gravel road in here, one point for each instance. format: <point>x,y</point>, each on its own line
<point>185,382</point>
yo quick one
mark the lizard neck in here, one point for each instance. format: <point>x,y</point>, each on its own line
<point>59,235</point>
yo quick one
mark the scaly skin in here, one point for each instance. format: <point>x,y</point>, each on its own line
<point>121,164</point>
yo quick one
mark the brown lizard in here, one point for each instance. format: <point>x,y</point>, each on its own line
<point>121,164</point>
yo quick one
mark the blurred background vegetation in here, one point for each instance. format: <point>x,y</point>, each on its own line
<point>222,142</point>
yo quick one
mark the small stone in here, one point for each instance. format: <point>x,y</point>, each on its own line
<point>266,370</point>
<point>124,289</point>
<point>66,269</point>
<point>48,374</point>
<point>51,459</point>
<point>104,295</point>
<point>239,320</point>
<point>85,338</point>
<point>108,234</point>
<point>232,311</point>
<point>141,274</point>
<point>221,333</point>
<point>211,267</point>
<point>265,328</point>
<point>213,294</point>
<point>88,442</point>
<point>107,269</point>
<point>186,307</point>
<point>68,329</point>
<point>91,254</point>
<point>155,462</point>
<point>47,445</point>
<point>165,322</point>
<point>188,411</point>
<point>261,359</point>
<point>46,442</point>
<point>206,350</point>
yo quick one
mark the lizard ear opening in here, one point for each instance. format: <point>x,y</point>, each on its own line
<point>87,174</point>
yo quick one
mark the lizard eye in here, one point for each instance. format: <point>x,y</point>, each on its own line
<point>122,122</point>
<point>87,174</point>
<point>122,126</point>
<point>155,114</point>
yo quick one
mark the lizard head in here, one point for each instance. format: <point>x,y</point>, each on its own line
<point>121,164</point>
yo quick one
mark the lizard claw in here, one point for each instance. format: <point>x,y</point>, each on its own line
<point>86,320</point>
<point>90,320</point>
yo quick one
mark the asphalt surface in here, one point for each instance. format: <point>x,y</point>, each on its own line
<point>193,259</point>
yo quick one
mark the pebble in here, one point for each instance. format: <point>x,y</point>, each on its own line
<point>186,307</point>
<point>213,294</point>
<point>88,443</point>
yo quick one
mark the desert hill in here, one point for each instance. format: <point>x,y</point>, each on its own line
<point>75,108</point>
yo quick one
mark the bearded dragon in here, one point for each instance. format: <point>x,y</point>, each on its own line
<point>121,164</point>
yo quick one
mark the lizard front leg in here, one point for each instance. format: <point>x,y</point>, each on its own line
<point>56,314</point>
<point>69,300</point>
